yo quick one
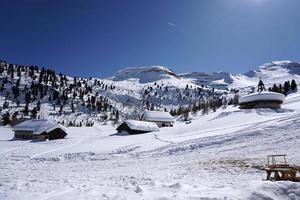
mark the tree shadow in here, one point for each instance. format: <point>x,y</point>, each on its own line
<point>265,111</point>
<point>37,141</point>
<point>7,140</point>
<point>13,139</point>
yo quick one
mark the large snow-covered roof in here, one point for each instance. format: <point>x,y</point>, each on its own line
<point>262,96</point>
<point>141,125</point>
<point>38,126</point>
<point>158,116</point>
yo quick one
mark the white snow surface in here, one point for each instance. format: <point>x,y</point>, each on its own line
<point>158,116</point>
<point>142,125</point>
<point>217,156</point>
<point>262,96</point>
<point>38,126</point>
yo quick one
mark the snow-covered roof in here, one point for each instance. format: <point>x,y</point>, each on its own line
<point>38,126</point>
<point>262,96</point>
<point>157,116</point>
<point>141,125</point>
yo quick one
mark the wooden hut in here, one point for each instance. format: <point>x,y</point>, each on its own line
<point>39,129</point>
<point>137,127</point>
<point>161,118</point>
<point>261,100</point>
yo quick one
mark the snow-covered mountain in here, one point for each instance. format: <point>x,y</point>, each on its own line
<point>29,91</point>
<point>274,72</point>
<point>144,74</point>
<point>217,79</point>
<point>128,93</point>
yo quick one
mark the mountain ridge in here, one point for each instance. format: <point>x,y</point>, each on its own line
<point>33,92</point>
<point>220,79</point>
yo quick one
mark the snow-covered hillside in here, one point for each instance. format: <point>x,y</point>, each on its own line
<point>217,79</point>
<point>29,91</point>
<point>217,156</point>
<point>275,72</point>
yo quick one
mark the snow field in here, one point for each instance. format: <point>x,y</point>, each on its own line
<point>217,156</point>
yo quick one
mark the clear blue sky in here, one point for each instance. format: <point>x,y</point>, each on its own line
<point>97,38</point>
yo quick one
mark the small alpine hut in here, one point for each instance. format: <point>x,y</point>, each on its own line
<point>261,99</point>
<point>137,127</point>
<point>161,118</point>
<point>39,129</point>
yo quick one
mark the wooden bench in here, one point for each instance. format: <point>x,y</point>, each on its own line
<point>281,171</point>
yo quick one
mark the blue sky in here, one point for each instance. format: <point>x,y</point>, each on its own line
<point>97,38</point>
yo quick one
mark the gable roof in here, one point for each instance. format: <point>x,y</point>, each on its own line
<point>38,126</point>
<point>141,125</point>
<point>157,116</point>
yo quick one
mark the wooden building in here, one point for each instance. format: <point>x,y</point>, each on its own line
<point>137,127</point>
<point>39,129</point>
<point>262,99</point>
<point>161,118</point>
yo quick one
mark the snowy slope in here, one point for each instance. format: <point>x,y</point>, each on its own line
<point>216,79</point>
<point>217,156</point>
<point>80,101</point>
<point>274,72</point>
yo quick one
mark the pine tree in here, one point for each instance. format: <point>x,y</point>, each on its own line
<point>15,91</point>
<point>286,87</point>
<point>194,108</point>
<point>204,108</point>
<point>61,109</point>
<point>34,113</point>
<point>5,105</point>
<point>280,89</point>
<point>261,86</point>
<point>185,114</point>
<point>38,106</point>
<point>6,119</point>
<point>275,88</point>
<point>293,85</point>
<point>72,107</point>
<point>152,106</point>
<point>26,109</point>
<point>235,101</point>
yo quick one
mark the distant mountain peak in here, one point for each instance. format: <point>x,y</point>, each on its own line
<point>145,74</point>
<point>283,66</point>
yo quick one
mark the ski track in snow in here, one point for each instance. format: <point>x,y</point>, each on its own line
<point>57,149</point>
<point>54,194</point>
